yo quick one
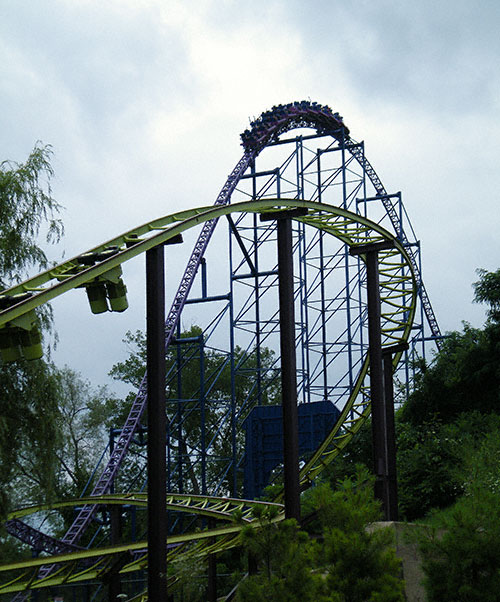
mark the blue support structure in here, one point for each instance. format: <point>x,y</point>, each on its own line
<point>263,440</point>
<point>281,159</point>
<point>331,324</point>
<point>234,356</point>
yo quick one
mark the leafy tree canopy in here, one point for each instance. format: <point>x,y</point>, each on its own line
<point>487,290</point>
<point>187,391</point>
<point>26,205</point>
<point>28,429</point>
<point>360,564</point>
<point>28,391</point>
<point>461,548</point>
<point>455,405</point>
<point>347,563</point>
<point>464,377</point>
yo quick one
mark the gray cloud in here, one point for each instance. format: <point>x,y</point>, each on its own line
<point>438,53</point>
<point>106,59</point>
<point>144,102</point>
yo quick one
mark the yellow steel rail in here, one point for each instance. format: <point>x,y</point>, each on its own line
<point>398,295</point>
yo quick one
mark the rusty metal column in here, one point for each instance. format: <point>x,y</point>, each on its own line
<point>288,359</point>
<point>288,370</point>
<point>157,428</point>
<point>212,569</point>
<point>115,519</point>
<point>392,478</point>
<point>377,394</point>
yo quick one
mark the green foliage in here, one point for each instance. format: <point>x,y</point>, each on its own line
<point>53,431</point>
<point>426,460</point>
<point>480,468</point>
<point>359,562</point>
<point>347,563</point>
<point>216,367</point>
<point>448,458</point>
<point>84,413</point>
<point>26,204</point>
<point>363,565</point>
<point>357,453</point>
<point>28,391</point>
<point>461,553</point>
<point>455,405</point>
<point>463,377</point>
<point>184,366</point>
<point>284,560</point>
<point>132,370</point>
<point>191,573</point>
<point>351,506</point>
<point>487,290</point>
<point>29,434</point>
<point>433,459</point>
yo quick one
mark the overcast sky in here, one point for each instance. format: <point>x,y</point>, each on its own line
<point>143,102</point>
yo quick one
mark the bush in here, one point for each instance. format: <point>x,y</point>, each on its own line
<point>348,563</point>
<point>284,559</point>
<point>434,460</point>
<point>461,553</point>
<point>360,564</point>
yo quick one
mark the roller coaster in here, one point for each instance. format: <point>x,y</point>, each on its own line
<point>284,166</point>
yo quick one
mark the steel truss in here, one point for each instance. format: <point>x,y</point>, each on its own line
<point>235,352</point>
<point>397,278</point>
<point>331,315</point>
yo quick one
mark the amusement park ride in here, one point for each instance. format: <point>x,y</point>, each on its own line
<point>354,278</point>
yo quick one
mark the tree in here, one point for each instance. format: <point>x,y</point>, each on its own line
<point>344,561</point>
<point>28,391</point>
<point>285,563</point>
<point>455,404</point>
<point>190,573</point>
<point>360,563</point>
<point>56,459</point>
<point>186,401</point>
<point>464,375</point>
<point>453,447</point>
<point>461,549</point>
<point>84,412</point>
<point>427,457</point>
<point>29,434</point>
<point>487,290</point>
<point>26,205</point>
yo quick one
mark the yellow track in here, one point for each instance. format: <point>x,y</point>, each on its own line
<point>398,295</point>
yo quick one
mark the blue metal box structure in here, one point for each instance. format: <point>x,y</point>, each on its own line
<point>264,439</point>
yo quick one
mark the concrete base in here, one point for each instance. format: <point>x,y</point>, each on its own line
<point>407,551</point>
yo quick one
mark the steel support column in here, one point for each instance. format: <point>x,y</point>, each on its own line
<point>288,370</point>
<point>157,428</point>
<point>212,578</point>
<point>390,480</point>
<point>377,393</point>
<point>391,494</point>
<point>288,360</point>
<point>212,570</point>
<point>115,519</point>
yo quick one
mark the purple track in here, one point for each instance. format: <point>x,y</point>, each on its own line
<point>263,131</point>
